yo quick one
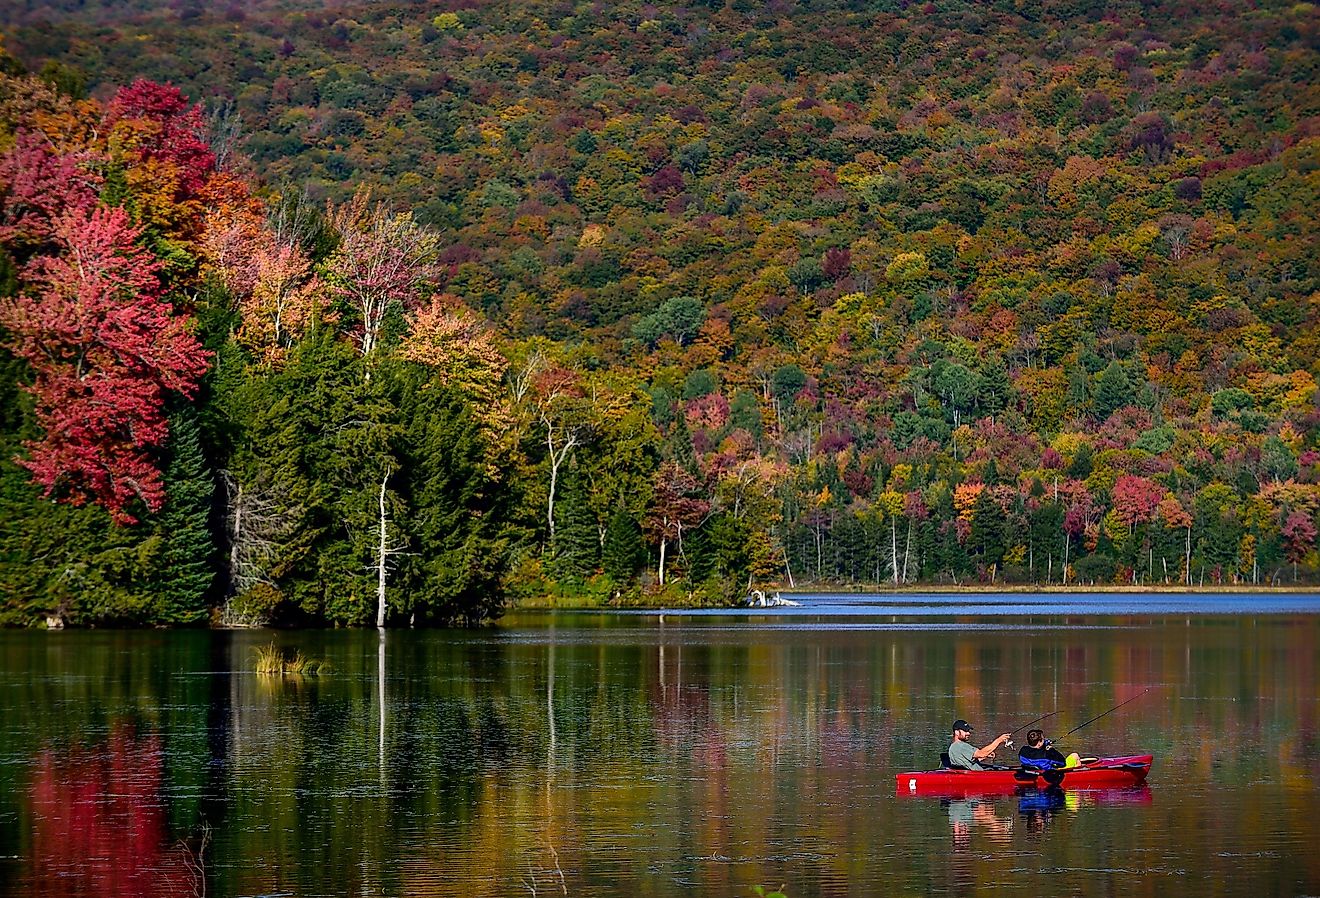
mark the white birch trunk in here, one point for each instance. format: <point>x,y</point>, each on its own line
<point>907,551</point>
<point>893,547</point>
<point>382,556</point>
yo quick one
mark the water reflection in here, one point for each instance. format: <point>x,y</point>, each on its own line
<point>966,814</point>
<point>608,756</point>
<point>99,825</point>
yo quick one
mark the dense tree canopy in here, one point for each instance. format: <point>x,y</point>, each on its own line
<point>520,299</point>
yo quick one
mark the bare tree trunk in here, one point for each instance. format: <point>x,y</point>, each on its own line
<point>384,552</point>
<point>550,502</point>
<point>380,698</point>
<point>907,551</point>
<point>819,541</point>
<point>258,522</point>
<point>1189,557</point>
<point>236,533</point>
<point>557,457</point>
<point>662,561</point>
<point>893,547</point>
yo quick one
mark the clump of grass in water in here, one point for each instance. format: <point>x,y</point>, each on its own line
<point>272,661</point>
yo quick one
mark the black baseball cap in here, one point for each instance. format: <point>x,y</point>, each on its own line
<point>961,724</point>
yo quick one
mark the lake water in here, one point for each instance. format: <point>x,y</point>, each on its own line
<point>620,754</point>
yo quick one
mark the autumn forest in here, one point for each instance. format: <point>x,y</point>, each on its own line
<point>392,312</point>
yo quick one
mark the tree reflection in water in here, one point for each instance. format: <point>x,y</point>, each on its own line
<point>603,756</point>
<point>99,823</point>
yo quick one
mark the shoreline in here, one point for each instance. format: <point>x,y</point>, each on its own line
<point>979,589</point>
<point>1011,589</point>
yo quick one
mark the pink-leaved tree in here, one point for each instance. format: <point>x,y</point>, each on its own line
<point>381,263</point>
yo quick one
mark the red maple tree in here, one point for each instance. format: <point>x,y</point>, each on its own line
<point>38,184</point>
<point>162,127</point>
<point>105,347</point>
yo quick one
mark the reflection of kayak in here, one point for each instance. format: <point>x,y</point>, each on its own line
<point>1100,773</point>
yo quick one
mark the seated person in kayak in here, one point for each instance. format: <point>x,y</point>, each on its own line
<point>964,754</point>
<point>1040,754</point>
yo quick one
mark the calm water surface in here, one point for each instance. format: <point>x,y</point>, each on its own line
<point>683,754</point>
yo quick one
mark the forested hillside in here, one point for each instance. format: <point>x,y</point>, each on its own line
<point>456,303</point>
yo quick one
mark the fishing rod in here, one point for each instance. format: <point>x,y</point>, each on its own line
<point>1037,720</point>
<point>1098,716</point>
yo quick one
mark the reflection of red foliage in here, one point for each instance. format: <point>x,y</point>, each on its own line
<point>99,824</point>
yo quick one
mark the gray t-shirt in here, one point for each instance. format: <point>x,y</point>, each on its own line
<point>962,754</point>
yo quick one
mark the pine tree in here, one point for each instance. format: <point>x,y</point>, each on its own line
<point>1113,391</point>
<point>987,534</point>
<point>576,548</point>
<point>185,567</point>
<point>624,551</point>
<point>284,480</point>
<point>996,389</point>
<point>698,555</point>
<point>1082,463</point>
<point>459,551</point>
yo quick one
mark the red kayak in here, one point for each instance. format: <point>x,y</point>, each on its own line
<point>1094,773</point>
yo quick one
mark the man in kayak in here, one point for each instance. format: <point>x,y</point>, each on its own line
<point>1039,754</point>
<point>964,754</point>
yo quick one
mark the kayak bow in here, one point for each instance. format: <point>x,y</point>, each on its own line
<point>1100,773</point>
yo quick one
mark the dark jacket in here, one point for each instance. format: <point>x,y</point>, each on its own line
<point>1041,758</point>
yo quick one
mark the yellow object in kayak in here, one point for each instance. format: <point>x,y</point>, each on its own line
<point>1074,760</point>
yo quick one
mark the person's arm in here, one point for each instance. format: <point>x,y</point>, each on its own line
<point>988,751</point>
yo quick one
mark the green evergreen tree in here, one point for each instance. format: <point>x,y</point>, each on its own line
<point>1046,535</point>
<point>1113,390</point>
<point>290,430</point>
<point>576,548</point>
<point>184,567</point>
<point>697,554</point>
<point>1079,392</point>
<point>986,539</point>
<point>996,390</point>
<point>624,552</point>
<point>360,459</point>
<point>460,550</point>
<point>1218,544</point>
<point>953,557</point>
